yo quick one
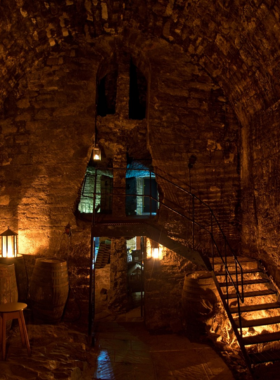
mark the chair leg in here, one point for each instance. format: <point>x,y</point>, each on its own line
<point>25,332</point>
<point>22,335</point>
<point>4,336</point>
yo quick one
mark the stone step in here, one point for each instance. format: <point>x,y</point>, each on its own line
<point>261,338</point>
<point>250,308</point>
<point>257,322</point>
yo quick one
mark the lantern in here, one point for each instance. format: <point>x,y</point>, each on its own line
<point>155,253</point>
<point>9,244</point>
<point>96,154</point>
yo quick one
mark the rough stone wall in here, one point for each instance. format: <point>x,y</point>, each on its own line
<point>163,284</point>
<point>119,183</point>
<point>203,311</point>
<point>223,37</point>
<point>102,289</point>
<point>261,196</point>
<point>47,136</point>
<point>194,140</point>
<point>57,103</point>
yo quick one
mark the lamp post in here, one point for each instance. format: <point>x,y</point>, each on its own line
<point>9,244</point>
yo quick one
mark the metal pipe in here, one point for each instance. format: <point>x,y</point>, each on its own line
<point>239,316</point>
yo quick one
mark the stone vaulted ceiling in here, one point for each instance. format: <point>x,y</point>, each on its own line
<point>236,42</point>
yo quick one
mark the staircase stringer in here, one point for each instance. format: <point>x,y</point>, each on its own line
<point>234,327</point>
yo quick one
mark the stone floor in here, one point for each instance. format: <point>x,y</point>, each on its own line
<point>127,351</point>
<point>58,352</point>
<point>123,351</point>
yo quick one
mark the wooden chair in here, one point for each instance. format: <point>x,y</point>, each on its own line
<point>9,311</point>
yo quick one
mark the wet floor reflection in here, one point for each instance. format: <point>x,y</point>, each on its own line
<point>104,369</point>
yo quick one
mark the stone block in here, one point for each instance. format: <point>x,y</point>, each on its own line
<point>23,103</point>
<point>4,200</point>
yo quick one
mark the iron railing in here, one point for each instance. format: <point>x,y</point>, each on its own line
<point>190,207</point>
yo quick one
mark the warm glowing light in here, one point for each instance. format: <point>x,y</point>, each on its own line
<point>96,154</point>
<point>155,253</point>
<point>8,244</point>
<point>148,249</point>
<point>154,250</point>
<point>160,248</point>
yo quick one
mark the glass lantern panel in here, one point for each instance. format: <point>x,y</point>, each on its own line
<point>8,246</point>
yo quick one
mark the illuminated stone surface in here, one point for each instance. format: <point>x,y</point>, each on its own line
<point>57,352</point>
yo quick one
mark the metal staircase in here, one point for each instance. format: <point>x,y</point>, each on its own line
<point>239,280</point>
<point>259,315</point>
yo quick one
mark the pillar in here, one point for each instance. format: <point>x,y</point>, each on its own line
<point>118,276</point>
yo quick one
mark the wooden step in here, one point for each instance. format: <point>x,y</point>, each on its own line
<point>231,259</point>
<point>246,271</point>
<point>245,263</point>
<point>265,356</point>
<point>264,306</point>
<point>261,338</point>
<point>245,282</point>
<point>257,322</point>
<point>253,294</point>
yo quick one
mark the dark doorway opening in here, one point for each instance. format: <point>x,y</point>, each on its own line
<point>150,189</point>
<point>137,94</point>
<point>106,94</point>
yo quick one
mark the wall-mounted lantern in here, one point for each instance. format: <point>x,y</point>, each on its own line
<point>154,250</point>
<point>9,244</point>
<point>96,153</point>
<point>155,253</point>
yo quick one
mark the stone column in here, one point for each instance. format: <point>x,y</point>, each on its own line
<point>123,82</point>
<point>119,161</point>
<point>119,183</point>
<point>118,276</point>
